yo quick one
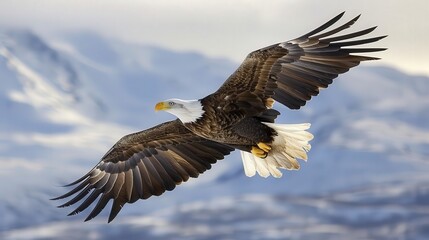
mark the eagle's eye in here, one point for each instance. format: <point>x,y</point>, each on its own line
<point>171,103</point>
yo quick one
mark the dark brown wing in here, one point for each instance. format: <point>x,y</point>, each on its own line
<point>292,72</point>
<point>144,164</point>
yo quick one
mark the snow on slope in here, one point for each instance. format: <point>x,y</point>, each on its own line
<point>369,213</point>
<point>47,121</point>
<point>64,112</point>
<point>69,100</point>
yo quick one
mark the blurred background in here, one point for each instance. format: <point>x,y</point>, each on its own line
<point>77,75</point>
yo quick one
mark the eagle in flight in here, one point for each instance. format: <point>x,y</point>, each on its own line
<point>239,115</point>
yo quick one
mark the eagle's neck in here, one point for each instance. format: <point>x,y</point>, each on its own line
<point>190,111</point>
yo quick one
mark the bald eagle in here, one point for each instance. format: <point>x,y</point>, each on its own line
<point>239,115</point>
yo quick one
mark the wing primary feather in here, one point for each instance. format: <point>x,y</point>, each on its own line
<point>147,183</point>
<point>117,188</point>
<point>110,183</point>
<point>96,176</point>
<point>304,86</point>
<point>336,64</point>
<point>325,50</point>
<point>362,50</point>
<point>345,63</point>
<point>73,191</point>
<point>338,29</point>
<point>350,35</point>
<point>90,199</point>
<point>321,67</point>
<point>102,202</point>
<point>79,180</point>
<point>358,42</point>
<point>323,27</point>
<point>102,182</point>
<point>138,186</point>
<point>315,73</point>
<point>129,184</point>
<point>78,197</point>
<point>116,207</point>
<point>304,76</point>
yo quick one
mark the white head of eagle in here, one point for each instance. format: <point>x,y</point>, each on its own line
<point>186,110</point>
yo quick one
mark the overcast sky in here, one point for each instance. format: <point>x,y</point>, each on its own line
<point>229,28</point>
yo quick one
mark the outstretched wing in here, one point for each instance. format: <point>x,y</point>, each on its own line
<point>143,164</point>
<point>292,72</point>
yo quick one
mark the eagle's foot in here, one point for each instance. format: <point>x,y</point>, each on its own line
<point>265,147</point>
<point>261,150</point>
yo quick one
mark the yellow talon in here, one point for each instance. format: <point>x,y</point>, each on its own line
<point>258,152</point>
<point>264,147</point>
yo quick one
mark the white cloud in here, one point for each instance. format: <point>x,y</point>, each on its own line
<point>10,164</point>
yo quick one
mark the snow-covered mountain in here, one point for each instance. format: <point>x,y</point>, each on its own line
<point>65,101</point>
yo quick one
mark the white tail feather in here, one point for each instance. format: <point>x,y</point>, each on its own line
<point>290,143</point>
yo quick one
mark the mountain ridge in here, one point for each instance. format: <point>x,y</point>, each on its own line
<point>58,127</point>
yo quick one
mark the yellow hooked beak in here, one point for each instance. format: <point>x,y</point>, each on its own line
<point>161,106</point>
